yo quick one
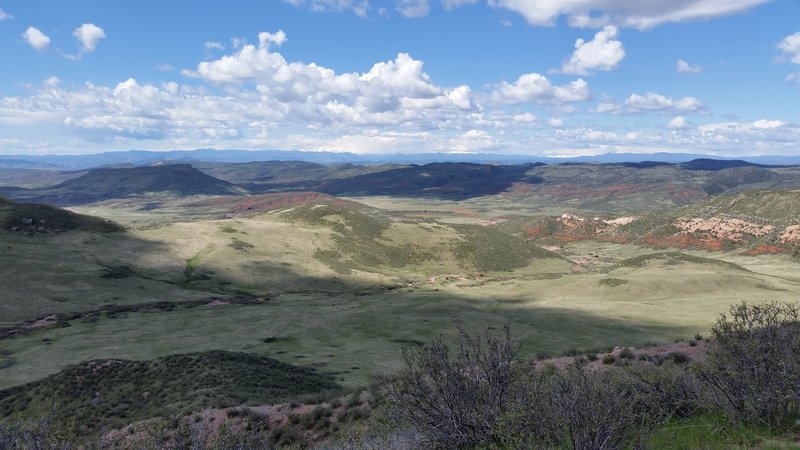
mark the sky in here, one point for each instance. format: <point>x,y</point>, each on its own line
<point>537,77</point>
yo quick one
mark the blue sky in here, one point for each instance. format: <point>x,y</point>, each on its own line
<point>540,77</point>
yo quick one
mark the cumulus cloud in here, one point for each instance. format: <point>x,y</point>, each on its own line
<point>678,123</point>
<point>265,39</point>
<point>652,102</point>
<point>89,35</point>
<point>252,97</point>
<point>793,78</point>
<point>36,38</point>
<point>790,46</point>
<point>536,88</point>
<point>262,99</point>
<point>634,14</point>
<point>261,92</point>
<point>601,53</point>
<point>765,135</point>
<point>682,66</point>
<point>413,8</point>
<point>5,16</point>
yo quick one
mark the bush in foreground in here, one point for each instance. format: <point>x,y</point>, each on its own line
<point>481,395</point>
<point>455,400</point>
<point>753,363</point>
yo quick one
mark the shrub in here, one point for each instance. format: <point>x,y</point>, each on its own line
<point>455,400</point>
<point>609,359</point>
<point>607,409</point>
<point>679,357</point>
<point>626,353</point>
<point>46,432</point>
<point>676,389</point>
<point>753,364</point>
<point>582,409</point>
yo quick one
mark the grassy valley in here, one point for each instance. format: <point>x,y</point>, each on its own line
<point>168,289</point>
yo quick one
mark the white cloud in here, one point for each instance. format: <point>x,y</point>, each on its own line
<point>52,82</point>
<point>397,90</point>
<point>265,39</point>
<point>214,45</point>
<point>759,137</point>
<point>793,77</point>
<point>601,53</point>
<point>252,97</point>
<point>5,16</point>
<point>636,14</point>
<point>524,118</point>
<point>652,102</point>
<point>36,39</point>
<point>678,123</point>
<point>413,8</point>
<point>358,7</point>
<point>453,4</point>
<point>88,35</point>
<point>684,67</point>
<point>165,67</point>
<point>790,46</point>
<point>536,88</point>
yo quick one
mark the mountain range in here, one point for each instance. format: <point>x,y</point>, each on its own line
<point>139,157</point>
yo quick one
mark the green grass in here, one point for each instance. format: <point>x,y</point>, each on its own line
<point>676,258</point>
<point>346,288</point>
<point>80,271</point>
<point>103,394</point>
<point>33,219</point>
<point>714,432</point>
<point>489,249</point>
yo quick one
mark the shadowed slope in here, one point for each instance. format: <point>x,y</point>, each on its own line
<point>101,394</point>
<point>34,218</point>
<point>102,184</point>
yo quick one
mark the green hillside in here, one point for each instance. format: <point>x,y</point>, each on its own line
<point>103,394</point>
<point>758,221</point>
<point>33,218</point>
<point>102,184</point>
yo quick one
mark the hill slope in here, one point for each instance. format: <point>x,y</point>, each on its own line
<point>760,221</point>
<point>102,394</point>
<point>448,180</point>
<point>32,218</point>
<point>102,184</point>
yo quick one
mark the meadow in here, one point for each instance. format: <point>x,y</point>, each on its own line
<point>177,294</point>
<point>345,289</point>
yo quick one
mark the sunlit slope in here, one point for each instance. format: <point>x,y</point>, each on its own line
<point>652,297</point>
<point>758,222</point>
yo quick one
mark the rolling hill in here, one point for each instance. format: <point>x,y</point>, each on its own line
<point>446,180</point>
<point>34,218</point>
<point>101,394</point>
<point>106,183</point>
<point>285,175</point>
<point>757,221</point>
<point>603,188</point>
